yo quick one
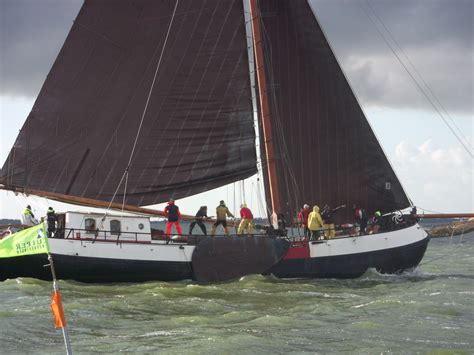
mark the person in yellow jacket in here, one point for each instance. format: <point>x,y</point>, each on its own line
<point>28,218</point>
<point>222,212</point>
<point>315,223</point>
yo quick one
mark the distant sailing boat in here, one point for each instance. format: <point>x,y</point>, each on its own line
<point>148,100</point>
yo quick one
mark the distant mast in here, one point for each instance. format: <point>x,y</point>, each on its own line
<point>269,152</point>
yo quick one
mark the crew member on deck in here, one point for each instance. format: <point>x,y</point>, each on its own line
<point>315,223</point>
<point>303,219</point>
<point>200,215</point>
<point>281,221</point>
<point>327,216</point>
<point>246,222</point>
<point>222,212</point>
<point>28,218</point>
<point>51,219</point>
<point>377,222</point>
<point>173,215</point>
<point>361,218</point>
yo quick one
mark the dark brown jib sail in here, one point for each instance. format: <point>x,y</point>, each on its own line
<point>197,133</point>
<point>326,152</point>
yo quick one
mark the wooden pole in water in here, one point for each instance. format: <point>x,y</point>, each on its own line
<point>269,152</point>
<point>57,308</point>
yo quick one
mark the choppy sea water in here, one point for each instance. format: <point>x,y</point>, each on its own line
<point>429,311</point>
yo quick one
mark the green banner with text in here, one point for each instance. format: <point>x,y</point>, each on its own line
<point>26,242</point>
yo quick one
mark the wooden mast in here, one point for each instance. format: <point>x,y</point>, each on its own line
<point>269,152</point>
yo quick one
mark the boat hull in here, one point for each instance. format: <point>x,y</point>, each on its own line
<point>203,259</point>
<point>350,257</point>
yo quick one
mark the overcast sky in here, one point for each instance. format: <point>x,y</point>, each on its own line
<point>435,35</point>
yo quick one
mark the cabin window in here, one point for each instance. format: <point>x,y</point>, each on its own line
<point>388,186</point>
<point>89,225</point>
<point>115,227</point>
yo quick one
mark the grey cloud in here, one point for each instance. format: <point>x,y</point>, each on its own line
<point>31,35</point>
<point>413,23</point>
<point>436,34</point>
<point>437,37</point>
<point>382,81</point>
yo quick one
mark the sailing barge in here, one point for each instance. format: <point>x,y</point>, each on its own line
<point>149,100</point>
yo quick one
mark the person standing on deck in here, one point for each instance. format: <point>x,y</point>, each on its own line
<point>51,218</point>
<point>200,215</point>
<point>315,223</point>
<point>222,212</point>
<point>303,219</point>
<point>28,218</point>
<point>327,216</point>
<point>377,222</point>
<point>361,218</point>
<point>282,231</point>
<point>246,222</point>
<point>173,215</point>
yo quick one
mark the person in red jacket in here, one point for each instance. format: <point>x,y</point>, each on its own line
<point>303,219</point>
<point>173,215</point>
<point>246,222</point>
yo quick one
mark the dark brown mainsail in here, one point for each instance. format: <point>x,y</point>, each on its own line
<point>197,133</point>
<point>326,152</point>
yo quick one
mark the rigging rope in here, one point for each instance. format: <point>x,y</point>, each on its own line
<point>152,84</point>
<point>262,202</point>
<point>123,200</point>
<point>419,75</point>
<point>425,209</point>
<point>251,195</point>
<point>451,245</point>
<point>469,151</point>
<point>234,198</point>
<point>125,174</point>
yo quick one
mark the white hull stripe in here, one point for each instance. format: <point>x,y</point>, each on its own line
<point>122,251</point>
<point>367,243</point>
